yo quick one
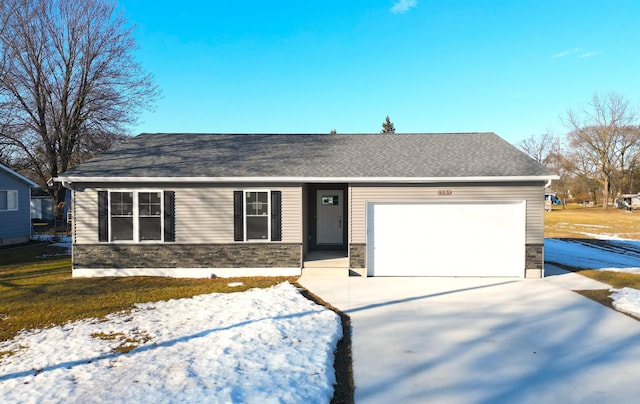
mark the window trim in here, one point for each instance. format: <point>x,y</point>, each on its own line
<point>244,215</point>
<point>16,193</point>
<point>136,216</point>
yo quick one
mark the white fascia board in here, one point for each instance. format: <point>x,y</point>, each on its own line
<point>72,179</point>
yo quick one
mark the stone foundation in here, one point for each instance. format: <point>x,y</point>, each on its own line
<point>357,255</point>
<point>534,260</point>
<point>254,255</point>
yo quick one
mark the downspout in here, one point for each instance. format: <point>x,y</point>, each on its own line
<point>69,185</point>
<point>30,218</point>
<point>548,184</point>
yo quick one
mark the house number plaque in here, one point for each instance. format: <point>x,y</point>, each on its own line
<point>445,192</point>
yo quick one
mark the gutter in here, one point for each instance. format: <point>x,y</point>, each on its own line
<point>68,181</point>
<point>65,183</point>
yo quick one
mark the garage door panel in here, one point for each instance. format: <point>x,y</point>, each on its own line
<point>455,239</point>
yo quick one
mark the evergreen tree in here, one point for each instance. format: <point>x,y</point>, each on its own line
<point>387,126</point>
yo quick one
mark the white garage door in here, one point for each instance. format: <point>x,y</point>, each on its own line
<point>453,239</point>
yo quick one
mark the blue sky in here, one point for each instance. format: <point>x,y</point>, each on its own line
<point>513,67</point>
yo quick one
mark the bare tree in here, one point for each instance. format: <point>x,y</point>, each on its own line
<point>606,138</point>
<point>69,84</point>
<point>583,176</point>
<point>559,161</point>
<point>627,156</point>
<point>539,147</point>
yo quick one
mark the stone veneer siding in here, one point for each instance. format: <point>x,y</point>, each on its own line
<point>357,255</point>
<point>534,258</point>
<point>254,255</point>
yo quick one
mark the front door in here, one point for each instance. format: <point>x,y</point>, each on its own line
<point>329,217</point>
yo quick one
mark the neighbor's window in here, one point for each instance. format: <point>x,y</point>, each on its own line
<point>257,215</point>
<point>8,200</point>
<point>135,216</point>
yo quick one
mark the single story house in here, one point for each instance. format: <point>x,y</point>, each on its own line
<point>203,205</point>
<point>15,212</point>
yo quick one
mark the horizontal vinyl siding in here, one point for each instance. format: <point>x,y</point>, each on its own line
<point>534,195</point>
<point>85,216</point>
<point>292,215</point>
<point>203,214</point>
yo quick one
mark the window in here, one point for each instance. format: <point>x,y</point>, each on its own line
<point>257,215</point>
<point>121,216</point>
<point>136,216</point>
<point>149,210</point>
<point>8,200</point>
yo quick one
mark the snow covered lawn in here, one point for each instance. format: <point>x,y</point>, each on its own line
<point>609,254</point>
<point>260,346</point>
<point>605,255</point>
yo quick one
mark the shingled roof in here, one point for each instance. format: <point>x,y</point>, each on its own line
<point>227,157</point>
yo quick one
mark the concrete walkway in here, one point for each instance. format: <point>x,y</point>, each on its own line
<point>483,340</point>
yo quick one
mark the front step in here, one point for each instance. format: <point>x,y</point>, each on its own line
<point>319,272</point>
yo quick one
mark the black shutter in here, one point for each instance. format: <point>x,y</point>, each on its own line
<point>103,216</point>
<point>169,216</point>
<point>276,216</point>
<point>238,225</point>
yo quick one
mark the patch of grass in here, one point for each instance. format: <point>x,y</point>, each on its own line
<point>108,337</point>
<point>6,353</point>
<point>578,221</point>
<point>126,343</point>
<point>601,296</point>
<point>40,292</point>
<point>617,280</point>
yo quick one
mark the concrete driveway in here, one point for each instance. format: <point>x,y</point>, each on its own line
<point>483,340</point>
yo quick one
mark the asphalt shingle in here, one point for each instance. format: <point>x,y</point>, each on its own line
<point>425,155</point>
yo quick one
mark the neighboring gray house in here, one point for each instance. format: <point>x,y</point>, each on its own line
<point>201,205</point>
<point>15,212</point>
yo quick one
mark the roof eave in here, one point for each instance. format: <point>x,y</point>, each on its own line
<point>18,176</point>
<point>67,180</point>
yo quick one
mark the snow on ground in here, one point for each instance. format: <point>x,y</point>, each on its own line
<point>56,241</point>
<point>608,254</point>
<point>64,241</point>
<point>627,300</point>
<point>260,346</point>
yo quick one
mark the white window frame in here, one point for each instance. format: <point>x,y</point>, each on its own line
<point>244,215</point>
<point>9,208</point>
<point>136,216</point>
